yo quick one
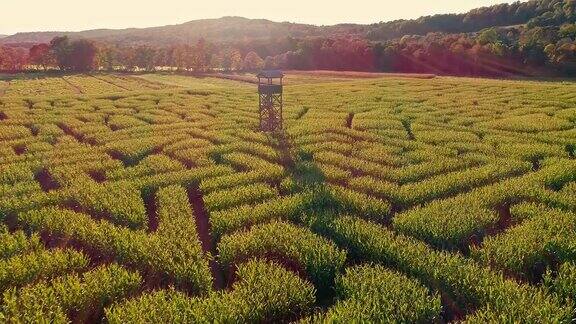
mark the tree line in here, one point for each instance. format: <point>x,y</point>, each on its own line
<point>537,51</point>
<point>84,55</point>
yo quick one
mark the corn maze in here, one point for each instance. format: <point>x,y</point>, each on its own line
<point>154,199</point>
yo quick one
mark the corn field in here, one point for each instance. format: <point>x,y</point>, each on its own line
<point>155,199</point>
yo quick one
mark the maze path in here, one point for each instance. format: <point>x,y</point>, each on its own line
<point>174,191</point>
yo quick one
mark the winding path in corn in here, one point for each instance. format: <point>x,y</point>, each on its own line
<point>153,198</point>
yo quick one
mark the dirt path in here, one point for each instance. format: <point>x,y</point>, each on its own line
<point>360,75</point>
<point>233,77</point>
<point>204,229</point>
<point>151,211</point>
<point>350,120</point>
<point>69,132</point>
<point>326,74</point>
<point>504,223</point>
<point>110,82</point>
<point>47,183</point>
<point>75,88</point>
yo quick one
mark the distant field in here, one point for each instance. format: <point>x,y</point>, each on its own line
<point>299,77</point>
<point>154,198</point>
<point>359,75</point>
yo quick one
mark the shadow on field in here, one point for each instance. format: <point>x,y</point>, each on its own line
<point>303,172</point>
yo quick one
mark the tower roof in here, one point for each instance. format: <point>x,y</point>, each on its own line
<point>270,74</point>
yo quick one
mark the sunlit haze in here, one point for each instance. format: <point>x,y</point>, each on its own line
<point>69,15</point>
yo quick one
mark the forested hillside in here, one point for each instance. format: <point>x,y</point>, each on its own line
<point>230,29</point>
<point>226,29</point>
<point>534,12</point>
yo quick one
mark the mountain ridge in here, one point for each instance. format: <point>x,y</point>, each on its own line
<point>234,29</point>
<point>223,29</point>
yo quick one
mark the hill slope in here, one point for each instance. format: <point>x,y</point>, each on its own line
<point>216,30</point>
<point>234,29</point>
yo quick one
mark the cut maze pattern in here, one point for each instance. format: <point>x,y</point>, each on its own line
<point>154,199</point>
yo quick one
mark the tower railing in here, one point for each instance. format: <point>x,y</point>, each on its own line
<point>270,91</point>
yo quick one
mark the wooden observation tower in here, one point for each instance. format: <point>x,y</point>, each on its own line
<point>270,99</point>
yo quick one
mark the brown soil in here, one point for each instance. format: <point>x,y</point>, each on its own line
<point>349,120</point>
<point>47,183</point>
<point>187,163</point>
<point>69,132</point>
<point>73,206</point>
<point>20,149</point>
<point>116,156</point>
<point>98,176</point>
<point>151,211</point>
<point>203,228</point>
<point>536,165</point>
<point>504,222</point>
<point>451,311</point>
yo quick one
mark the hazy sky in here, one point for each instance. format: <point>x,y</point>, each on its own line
<point>73,15</point>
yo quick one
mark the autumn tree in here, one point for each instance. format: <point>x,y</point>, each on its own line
<point>563,56</point>
<point>201,56</point>
<point>178,57</point>
<point>41,55</point>
<point>78,55</point>
<point>82,55</point>
<point>216,61</point>
<point>270,63</point>
<point>231,59</point>
<point>144,57</point>
<point>107,57</point>
<point>13,59</point>
<point>162,57</point>
<point>60,47</point>
<point>252,62</point>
